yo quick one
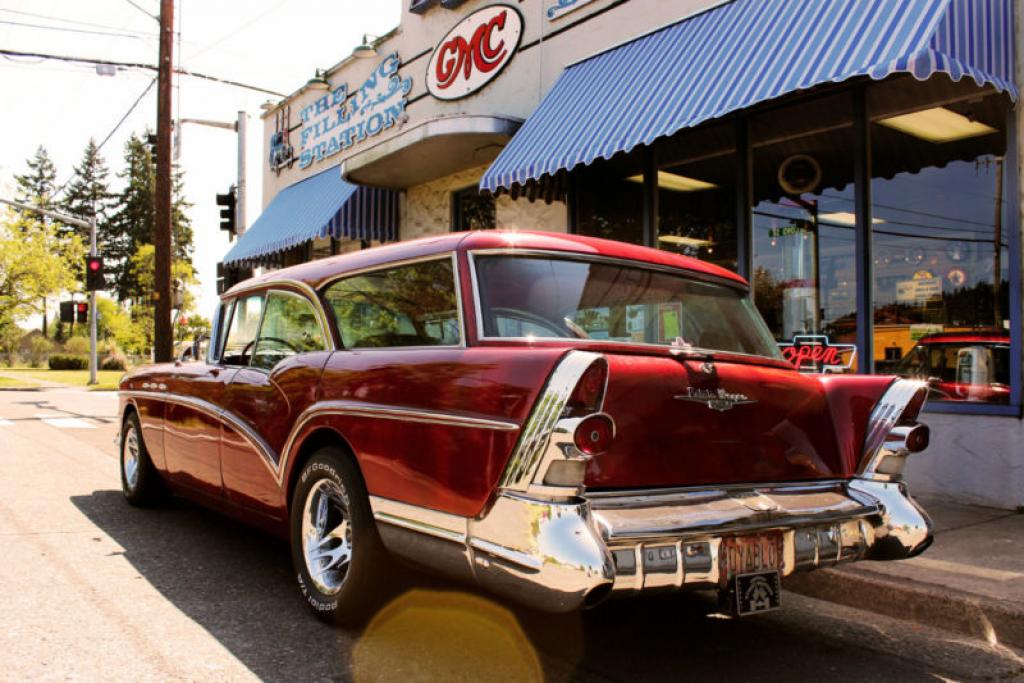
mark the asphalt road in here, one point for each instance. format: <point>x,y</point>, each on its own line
<point>91,588</point>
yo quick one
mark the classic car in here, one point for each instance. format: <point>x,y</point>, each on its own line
<point>554,417</point>
<point>961,366</point>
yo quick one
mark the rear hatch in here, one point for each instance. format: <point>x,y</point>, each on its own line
<point>722,420</point>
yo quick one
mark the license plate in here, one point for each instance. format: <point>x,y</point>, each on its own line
<point>749,555</point>
<point>757,592</point>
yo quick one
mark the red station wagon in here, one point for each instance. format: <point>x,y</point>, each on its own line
<point>557,418</point>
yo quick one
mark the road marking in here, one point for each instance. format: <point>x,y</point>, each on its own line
<point>67,423</point>
<point>5,423</point>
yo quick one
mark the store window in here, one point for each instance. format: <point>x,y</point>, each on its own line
<point>609,199</point>
<point>697,195</point>
<point>803,278</point>
<point>939,241</point>
<point>472,210</point>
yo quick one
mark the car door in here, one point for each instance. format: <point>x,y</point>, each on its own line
<point>268,394</point>
<point>192,423</point>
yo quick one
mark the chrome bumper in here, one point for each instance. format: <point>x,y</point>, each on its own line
<point>562,555</point>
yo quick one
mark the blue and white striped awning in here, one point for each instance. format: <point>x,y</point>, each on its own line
<point>741,53</point>
<point>318,206</point>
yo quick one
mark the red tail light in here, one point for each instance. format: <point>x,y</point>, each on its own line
<point>594,434</point>
<point>588,395</point>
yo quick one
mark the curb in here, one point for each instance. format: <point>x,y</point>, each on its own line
<point>916,601</point>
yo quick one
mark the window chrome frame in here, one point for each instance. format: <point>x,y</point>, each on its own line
<point>608,260</point>
<point>452,256</point>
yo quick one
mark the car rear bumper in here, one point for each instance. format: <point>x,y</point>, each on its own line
<point>563,555</point>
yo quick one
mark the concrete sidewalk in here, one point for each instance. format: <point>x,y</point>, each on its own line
<point>970,581</point>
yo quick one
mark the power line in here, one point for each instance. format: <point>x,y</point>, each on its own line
<point>236,30</point>
<point>111,133</point>
<point>68,29</point>
<point>143,10</point>
<point>77,22</point>
<point>138,65</point>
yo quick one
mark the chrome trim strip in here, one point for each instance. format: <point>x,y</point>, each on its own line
<point>526,457</point>
<point>885,415</point>
<point>641,497</point>
<point>359,409</point>
<point>268,456</point>
<point>431,522</point>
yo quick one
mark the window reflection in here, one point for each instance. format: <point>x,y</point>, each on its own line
<point>940,251</point>
<point>610,203</point>
<point>804,278</point>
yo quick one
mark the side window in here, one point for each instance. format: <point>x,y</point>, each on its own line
<point>414,305</point>
<point>245,322</point>
<point>215,344</point>
<point>290,326</point>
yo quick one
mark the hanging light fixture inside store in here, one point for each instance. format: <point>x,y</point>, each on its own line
<point>937,124</point>
<point>319,81</point>
<point>366,49</point>
<point>676,182</point>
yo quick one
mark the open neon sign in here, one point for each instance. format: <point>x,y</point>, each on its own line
<point>815,353</point>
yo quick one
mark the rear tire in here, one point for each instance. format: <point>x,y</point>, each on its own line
<point>140,482</point>
<point>339,560</point>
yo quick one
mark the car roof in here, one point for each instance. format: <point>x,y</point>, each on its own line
<point>965,337</point>
<point>314,273</point>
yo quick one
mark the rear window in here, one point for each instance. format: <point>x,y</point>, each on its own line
<point>531,297</point>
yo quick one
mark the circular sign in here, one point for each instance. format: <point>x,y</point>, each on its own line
<point>956,277</point>
<point>799,173</point>
<point>474,52</point>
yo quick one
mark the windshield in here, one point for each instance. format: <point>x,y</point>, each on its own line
<point>527,296</point>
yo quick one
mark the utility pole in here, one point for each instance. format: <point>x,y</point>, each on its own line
<point>77,222</point>
<point>240,195</point>
<point>163,340</point>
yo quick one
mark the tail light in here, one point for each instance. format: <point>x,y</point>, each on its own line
<point>893,431</point>
<point>588,395</point>
<point>594,434</point>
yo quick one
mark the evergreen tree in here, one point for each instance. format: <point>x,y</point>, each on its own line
<point>37,186</point>
<point>131,225</point>
<point>88,193</point>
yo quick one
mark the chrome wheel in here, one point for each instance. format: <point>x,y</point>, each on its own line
<point>130,457</point>
<point>327,535</point>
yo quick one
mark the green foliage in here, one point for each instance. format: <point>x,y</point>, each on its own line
<point>142,271</point>
<point>131,226</point>
<point>77,345</point>
<point>31,267</point>
<point>88,196</point>
<point>39,347</point>
<point>38,185</point>
<point>64,361</point>
<point>114,361</point>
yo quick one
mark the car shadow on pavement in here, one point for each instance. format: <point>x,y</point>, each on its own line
<point>237,584</point>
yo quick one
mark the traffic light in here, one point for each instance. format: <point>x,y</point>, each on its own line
<point>226,202</point>
<point>82,312</point>
<point>94,273</point>
<point>67,311</point>
<point>151,143</point>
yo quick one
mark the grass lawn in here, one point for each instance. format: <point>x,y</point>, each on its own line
<point>79,378</point>
<point>8,383</point>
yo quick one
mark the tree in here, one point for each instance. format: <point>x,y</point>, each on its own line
<point>38,185</point>
<point>30,268</point>
<point>88,194</point>
<point>131,226</point>
<point>143,272</point>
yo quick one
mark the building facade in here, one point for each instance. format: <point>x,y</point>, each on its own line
<point>857,160</point>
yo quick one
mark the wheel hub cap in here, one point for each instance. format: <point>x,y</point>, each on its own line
<point>327,536</point>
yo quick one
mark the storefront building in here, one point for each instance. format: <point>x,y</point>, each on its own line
<point>857,160</point>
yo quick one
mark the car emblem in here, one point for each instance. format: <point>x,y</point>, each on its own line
<point>720,399</point>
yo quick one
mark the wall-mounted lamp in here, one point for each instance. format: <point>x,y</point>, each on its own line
<point>268,105</point>
<point>319,81</point>
<point>366,49</point>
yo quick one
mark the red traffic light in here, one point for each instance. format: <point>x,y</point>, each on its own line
<point>94,264</point>
<point>82,307</point>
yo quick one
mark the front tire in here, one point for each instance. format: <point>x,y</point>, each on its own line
<point>337,554</point>
<point>140,482</point>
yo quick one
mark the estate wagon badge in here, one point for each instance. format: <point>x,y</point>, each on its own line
<point>720,399</point>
